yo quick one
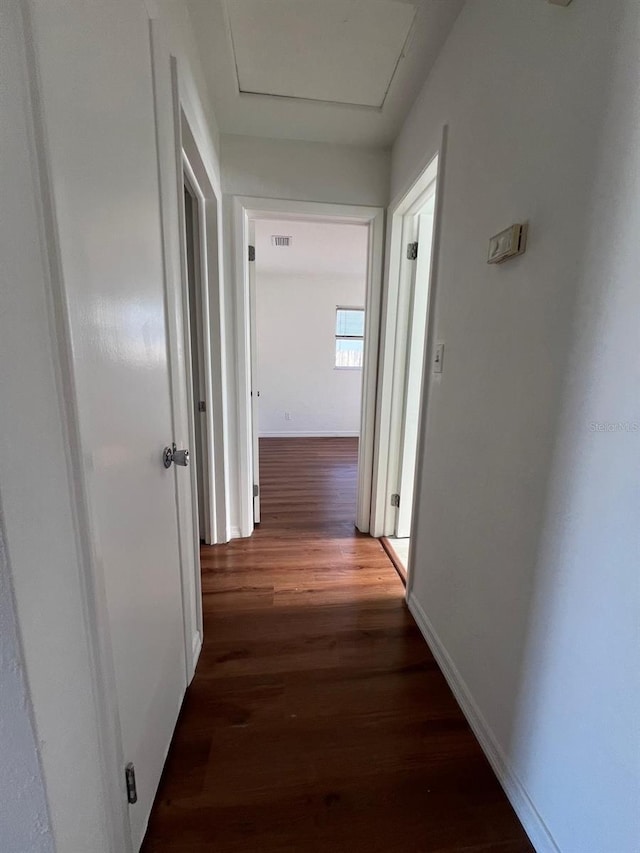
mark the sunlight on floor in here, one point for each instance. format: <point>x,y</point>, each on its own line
<point>401,547</point>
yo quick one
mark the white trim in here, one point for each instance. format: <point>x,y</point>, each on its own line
<point>390,389</point>
<point>245,208</point>
<point>255,377</point>
<point>529,817</point>
<point>373,299</point>
<point>429,347</point>
<point>202,339</point>
<point>243,368</point>
<point>314,433</point>
<point>213,331</point>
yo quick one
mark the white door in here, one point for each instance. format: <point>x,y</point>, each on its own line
<point>169,142</point>
<point>255,388</point>
<point>417,330</point>
<point>98,110</point>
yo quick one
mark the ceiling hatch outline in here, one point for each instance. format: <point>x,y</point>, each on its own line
<point>256,93</point>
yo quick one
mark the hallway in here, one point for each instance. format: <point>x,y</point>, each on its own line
<point>318,720</point>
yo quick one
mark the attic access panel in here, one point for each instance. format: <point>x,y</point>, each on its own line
<point>341,51</point>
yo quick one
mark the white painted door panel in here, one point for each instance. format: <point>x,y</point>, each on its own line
<point>417,330</point>
<point>401,351</point>
<point>171,186</point>
<point>97,99</point>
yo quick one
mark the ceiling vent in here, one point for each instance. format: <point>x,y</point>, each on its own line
<point>279,240</point>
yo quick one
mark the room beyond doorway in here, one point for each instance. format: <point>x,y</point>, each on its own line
<point>310,293</point>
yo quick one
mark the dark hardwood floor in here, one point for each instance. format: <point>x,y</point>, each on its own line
<point>318,721</point>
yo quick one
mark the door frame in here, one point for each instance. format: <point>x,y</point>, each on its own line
<point>201,465</point>
<point>414,369</point>
<point>392,373</point>
<point>246,208</point>
<point>255,378</point>
<point>179,153</point>
<point>212,331</point>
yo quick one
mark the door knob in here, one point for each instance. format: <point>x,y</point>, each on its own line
<point>178,457</point>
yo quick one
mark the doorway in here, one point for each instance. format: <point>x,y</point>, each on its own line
<point>408,359</point>
<point>417,231</point>
<point>308,282</point>
<point>248,211</point>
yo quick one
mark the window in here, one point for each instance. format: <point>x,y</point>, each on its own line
<point>349,337</point>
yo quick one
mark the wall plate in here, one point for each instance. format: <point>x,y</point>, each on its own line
<point>507,244</point>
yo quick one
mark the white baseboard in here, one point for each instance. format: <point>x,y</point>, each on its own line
<point>229,534</point>
<point>533,824</point>
<point>312,434</point>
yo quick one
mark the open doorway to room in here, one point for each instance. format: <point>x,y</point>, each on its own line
<point>308,283</point>
<point>316,412</point>
<point>403,387</point>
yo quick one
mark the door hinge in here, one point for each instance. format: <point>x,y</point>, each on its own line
<point>202,406</point>
<point>412,251</point>
<point>252,253</point>
<point>130,778</point>
<point>395,500</point>
<point>256,490</point>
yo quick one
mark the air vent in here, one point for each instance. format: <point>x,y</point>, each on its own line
<point>279,240</point>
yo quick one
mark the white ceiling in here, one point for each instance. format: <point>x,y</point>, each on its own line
<point>344,71</point>
<point>327,51</point>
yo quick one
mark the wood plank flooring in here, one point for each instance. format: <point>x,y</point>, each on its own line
<point>318,721</point>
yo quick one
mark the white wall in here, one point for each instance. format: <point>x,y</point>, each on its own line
<point>297,291</point>
<point>38,508</point>
<point>527,547</point>
<point>305,171</point>
<point>24,819</point>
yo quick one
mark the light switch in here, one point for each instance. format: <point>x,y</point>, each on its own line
<point>508,244</point>
<point>438,358</point>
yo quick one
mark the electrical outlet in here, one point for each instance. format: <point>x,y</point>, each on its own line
<point>287,416</point>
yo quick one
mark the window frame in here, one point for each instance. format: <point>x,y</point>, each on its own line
<point>338,337</point>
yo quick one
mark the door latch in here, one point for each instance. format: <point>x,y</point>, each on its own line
<point>178,457</point>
